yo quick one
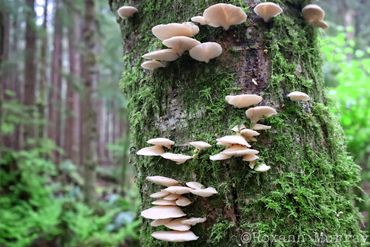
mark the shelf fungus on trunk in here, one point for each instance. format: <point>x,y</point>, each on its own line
<point>298,96</point>
<point>268,10</point>
<point>166,31</point>
<point>206,51</point>
<point>243,100</point>
<point>126,11</point>
<point>224,15</point>
<point>314,15</point>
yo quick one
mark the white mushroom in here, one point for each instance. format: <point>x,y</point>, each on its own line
<point>195,185</point>
<point>199,19</point>
<point>232,140</point>
<point>167,55</point>
<point>210,191</point>
<point>193,221</point>
<point>162,212</point>
<point>262,168</point>
<point>182,201</point>
<point>249,134</point>
<point>126,11</point>
<point>160,180</point>
<point>261,127</point>
<point>159,194</point>
<point>178,190</point>
<point>267,10</point>
<point>180,44</point>
<point>152,65</point>
<point>200,145</point>
<point>206,51</point>
<point>298,96</point>
<point>151,151</point>
<point>166,31</point>
<point>219,156</point>
<point>178,158</point>
<point>175,236</point>
<point>238,150</point>
<point>163,202</point>
<point>161,222</point>
<point>171,197</point>
<point>257,113</point>
<point>177,225</point>
<point>243,100</point>
<point>314,15</point>
<point>250,157</point>
<point>160,141</point>
<point>224,15</point>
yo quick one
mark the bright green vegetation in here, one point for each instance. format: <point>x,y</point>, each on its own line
<point>309,188</point>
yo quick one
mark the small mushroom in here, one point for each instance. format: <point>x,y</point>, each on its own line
<point>314,15</point>
<point>243,100</point>
<point>261,127</point>
<point>249,134</point>
<point>224,15</point>
<point>257,113</point>
<point>162,212</point>
<point>178,190</point>
<point>159,194</point>
<point>175,236</point>
<point>171,197</point>
<point>180,44</point>
<point>210,191</point>
<point>267,10</point>
<point>250,157</point>
<point>219,156</point>
<point>151,151</point>
<point>178,158</point>
<point>160,141</point>
<point>177,225</point>
<point>206,51</point>
<point>238,150</point>
<point>166,31</point>
<point>161,222</point>
<point>200,145</point>
<point>167,55</point>
<point>232,140</point>
<point>193,221</point>
<point>152,65</point>
<point>199,19</point>
<point>195,185</point>
<point>160,180</point>
<point>163,202</point>
<point>298,96</point>
<point>126,11</point>
<point>182,201</point>
<point>262,168</point>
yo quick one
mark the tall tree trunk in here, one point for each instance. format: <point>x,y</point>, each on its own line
<point>54,102</point>
<point>309,189</point>
<point>30,70</point>
<point>43,69</point>
<point>73,99</point>
<point>88,130</point>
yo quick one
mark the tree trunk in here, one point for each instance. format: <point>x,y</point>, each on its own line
<point>54,102</point>
<point>309,189</point>
<point>30,70</point>
<point>88,130</point>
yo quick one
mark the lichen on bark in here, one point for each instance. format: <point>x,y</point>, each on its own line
<point>309,188</point>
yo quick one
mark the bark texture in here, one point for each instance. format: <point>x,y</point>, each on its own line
<point>309,189</point>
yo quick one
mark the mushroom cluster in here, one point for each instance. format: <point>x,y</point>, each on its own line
<point>167,208</point>
<point>314,15</point>
<point>237,145</point>
<point>158,150</point>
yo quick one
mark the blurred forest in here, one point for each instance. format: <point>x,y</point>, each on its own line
<point>64,143</point>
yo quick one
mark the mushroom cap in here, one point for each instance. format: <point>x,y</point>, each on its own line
<point>151,151</point>
<point>195,185</point>
<point>238,150</point>
<point>159,194</point>
<point>238,128</point>
<point>152,65</point>
<point>178,158</point>
<point>160,141</point>
<point>166,31</point>
<point>210,191</point>
<point>249,134</point>
<point>175,236</point>
<point>126,11</point>
<point>257,113</point>
<point>267,10</point>
<point>199,19</point>
<point>182,201</point>
<point>167,55</point>
<point>261,127</point>
<point>193,221</point>
<point>224,15</point>
<point>178,190</point>
<point>232,140</point>
<point>321,24</point>
<point>313,13</point>
<point>171,197</point>
<point>262,168</point>
<point>162,212</point>
<point>250,157</point>
<point>161,222</point>
<point>180,44</point>
<point>160,180</point>
<point>243,100</point>
<point>219,156</point>
<point>162,202</point>
<point>298,96</point>
<point>200,145</point>
<point>206,51</point>
<point>177,225</point>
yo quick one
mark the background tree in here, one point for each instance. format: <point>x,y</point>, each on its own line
<point>311,180</point>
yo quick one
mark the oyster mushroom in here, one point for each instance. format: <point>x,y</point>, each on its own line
<point>298,96</point>
<point>224,15</point>
<point>126,11</point>
<point>259,112</point>
<point>243,100</point>
<point>268,10</point>
<point>175,236</point>
<point>206,51</point>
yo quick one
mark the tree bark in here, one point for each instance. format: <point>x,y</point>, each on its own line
<point>309,189</point>
<point>88,130</point>
<point>30,69</point>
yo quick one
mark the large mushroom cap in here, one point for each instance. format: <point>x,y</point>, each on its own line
<point>268,10</point>
<point>210,191</point>
<point>166,31</point>
<point>224,15</point>
<point>298,96</point>
<point>126,11</point>
<point>219,156</point>
<point>313,13</point>
<point>152,65</point>
<point>178,158</point>
<point>206,51</point>
<point>151,151</point>
<point>175,236</point>
<point>243,100</point>
<point>193,221</point>
<point>238,150</point>
<point>160,180</point>
<point>200,145</point>
<point>257,113</point>
<point>162,212</point>
<point>199,19</point>
<point>178,190</point>
<point>232,140</point>
<point>180,44</point>
<point>167,55</point>
<point>160,141</point>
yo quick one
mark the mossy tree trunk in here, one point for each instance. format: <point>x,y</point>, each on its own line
<point>307,192</point>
